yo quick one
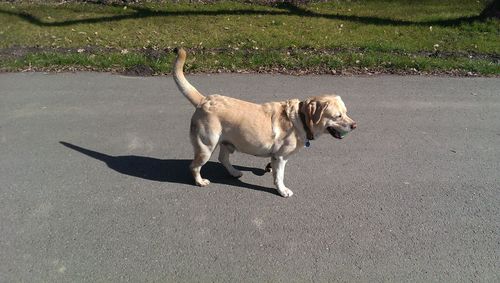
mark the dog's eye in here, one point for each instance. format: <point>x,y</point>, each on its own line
<point>338,116</point>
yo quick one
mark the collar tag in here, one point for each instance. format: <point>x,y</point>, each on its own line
<point>307,143</point>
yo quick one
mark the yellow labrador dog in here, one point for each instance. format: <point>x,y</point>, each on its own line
<point>275,129</point>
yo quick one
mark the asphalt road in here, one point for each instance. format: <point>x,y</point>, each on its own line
<point>94,184</point>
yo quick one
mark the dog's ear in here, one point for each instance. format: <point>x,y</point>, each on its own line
<point>315,111</point>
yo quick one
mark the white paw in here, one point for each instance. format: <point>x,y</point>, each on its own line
<point>285,192</point>
<point>202,182</point>
<point>236,174</point>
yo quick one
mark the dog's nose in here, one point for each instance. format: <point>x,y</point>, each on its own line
<point>354,126</point>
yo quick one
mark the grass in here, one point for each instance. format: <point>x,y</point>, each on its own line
<point>376,35</point>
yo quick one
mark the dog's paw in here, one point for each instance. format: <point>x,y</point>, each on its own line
<point>285,192</point>
<point>269,168</point>
<point>203,182</point>
<point>236,173</point>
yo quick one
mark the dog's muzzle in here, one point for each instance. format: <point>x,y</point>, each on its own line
<point>336,134</point>
<point>339,134</point>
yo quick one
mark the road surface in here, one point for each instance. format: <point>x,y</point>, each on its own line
<point>95,185</point>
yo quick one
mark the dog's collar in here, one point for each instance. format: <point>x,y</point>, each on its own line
<point>302,116</point>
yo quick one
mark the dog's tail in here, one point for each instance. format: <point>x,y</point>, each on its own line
<point>189,91</point>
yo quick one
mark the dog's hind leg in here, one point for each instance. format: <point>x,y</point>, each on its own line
<point>225,150</point>
<point>202,153</point>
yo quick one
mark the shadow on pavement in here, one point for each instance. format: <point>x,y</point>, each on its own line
<point>170,170</point>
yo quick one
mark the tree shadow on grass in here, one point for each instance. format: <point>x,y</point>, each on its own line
<point>169,170</point>
<point>287,9</point>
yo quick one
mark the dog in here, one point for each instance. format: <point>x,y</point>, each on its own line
<point>275,129</point>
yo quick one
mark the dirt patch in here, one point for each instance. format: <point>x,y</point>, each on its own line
<point>16,52</point>
<point>139,71</point>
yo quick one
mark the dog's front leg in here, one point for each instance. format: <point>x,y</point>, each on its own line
<point>278,164</point>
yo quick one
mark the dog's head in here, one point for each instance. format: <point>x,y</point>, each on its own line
<point>327,114</point>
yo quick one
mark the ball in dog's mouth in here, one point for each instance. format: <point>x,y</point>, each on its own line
<point>336,134</point>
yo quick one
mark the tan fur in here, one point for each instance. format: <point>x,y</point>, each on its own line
<point>271,129</point>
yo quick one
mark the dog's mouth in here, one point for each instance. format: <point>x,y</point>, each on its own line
<point>336,134</point>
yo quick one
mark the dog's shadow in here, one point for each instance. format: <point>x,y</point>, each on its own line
<point>170,170</point>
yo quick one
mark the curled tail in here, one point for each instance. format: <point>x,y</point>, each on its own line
<point>189,91</point>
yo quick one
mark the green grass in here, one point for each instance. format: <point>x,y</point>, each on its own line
<point>377,35</point>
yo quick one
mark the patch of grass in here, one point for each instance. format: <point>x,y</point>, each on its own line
<point>263,61</point>
<point>256,37</point>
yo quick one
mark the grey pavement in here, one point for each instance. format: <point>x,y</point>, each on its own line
<point>94,184</point>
